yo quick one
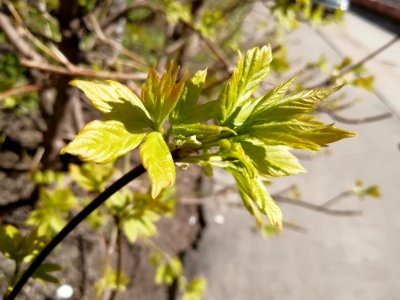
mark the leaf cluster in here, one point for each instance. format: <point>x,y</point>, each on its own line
<point>248,136</point>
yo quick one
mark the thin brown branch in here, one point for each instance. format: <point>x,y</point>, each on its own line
<point>81,72</point>
<point>337,198</point>
<point>21,90</point>
<point>15,38</point>
<point>362,120</point>
<point>360,62</point>
<point>317,208</point>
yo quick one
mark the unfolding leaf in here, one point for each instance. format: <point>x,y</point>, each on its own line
<point>187,111</point>
<point>158,162</point>
<point>103,142</point>
<point>255,196</point>
<point>246,78</point>
<point>201,130</point>
<point>272,160</point>
<point>160,95</point>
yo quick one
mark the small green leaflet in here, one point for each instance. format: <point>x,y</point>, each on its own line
<point>91,177</point>
<point>139,224</point>
<point>246,78</point>
<point>275,106</point>
<point>158,162</point>
<point>103,141</point>
<point>160,95</point>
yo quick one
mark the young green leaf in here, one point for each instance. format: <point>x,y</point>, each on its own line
<point>274,161</point>
<point>160,95</point>
<point>158,162</point>
<point>117,102</point>
<point>302,133</point>
<point>249,73</point>
<point>275,106</point>
<point>252,189</point>
<point>187,111</point>
<point>103,142</point>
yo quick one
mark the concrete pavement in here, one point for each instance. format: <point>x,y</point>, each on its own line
<point>339,258</point>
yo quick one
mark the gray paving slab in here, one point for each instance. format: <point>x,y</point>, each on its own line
<point>339,258</point>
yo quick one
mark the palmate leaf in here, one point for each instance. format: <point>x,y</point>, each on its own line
<point>103,141</point>
<point>158,162</point>
<point>245,80</point>
<point>274,161</point>
<point>160,95</point>
<point>43,272</point>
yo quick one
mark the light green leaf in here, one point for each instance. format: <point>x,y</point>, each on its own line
<point>158,162</point>
<point>256,197</point>
<point>139,224</point>
<point>302,133</point>
<point>117,102</point>
<point>275,106</point>
<point>186,110</point>
<point>245,80</point>
<point>160,95</point>
<point>103,142</point>
<point>201,130</point>
<point>272,160</point>
<point>104,94</point>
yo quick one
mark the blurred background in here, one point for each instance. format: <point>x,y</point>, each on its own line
<point>340,237</point>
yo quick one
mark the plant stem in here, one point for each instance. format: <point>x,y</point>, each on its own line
<point>100,199</point>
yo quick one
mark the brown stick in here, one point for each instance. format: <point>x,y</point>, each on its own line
<point>81,72</point>
<point>21,90</point>
<point>15,38</point>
